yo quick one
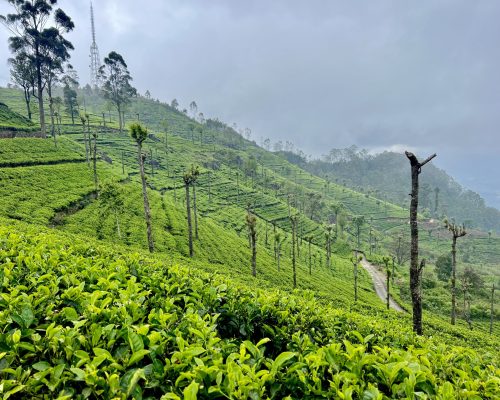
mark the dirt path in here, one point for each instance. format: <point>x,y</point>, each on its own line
<point>378,279</point>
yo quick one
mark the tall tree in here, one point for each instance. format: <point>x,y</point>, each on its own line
<point>188,179</point>
<point>139,134</point>
<point>415,268</point>
<point>328,244</point>
<point>252,234</point>
<point>457,231</point>
<point>23,73</point>
<point>32,36</point>
<point>117,88</point>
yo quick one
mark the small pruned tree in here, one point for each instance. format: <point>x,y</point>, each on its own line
<point>358,221</point>
<point>444,267</point>
<point>252,234</point>
<point>293,222</point>
<point>328,244</point>
<point>111,200</point>
<point>188,179</point>
<point>195,173</point>
<point>355,260</point>
<point>116,88</point>
<point>278,240</point>
<point>139,135</point>
<point>387,261</point>
<point>470,281</point>
<point>83,120</point>
<point>457,231</point>
<point>415,268</point>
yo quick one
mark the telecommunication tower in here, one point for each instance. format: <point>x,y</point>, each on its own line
<point>95,61</point>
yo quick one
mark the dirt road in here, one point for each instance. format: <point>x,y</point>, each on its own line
<point>378,279</point>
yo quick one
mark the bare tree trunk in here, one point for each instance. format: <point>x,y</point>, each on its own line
<point>310,268</point>
<point>27,99</point>
<point>278,254</point>
<point>195,212</point>
<point>293,219</point>
<point>147,211</point>
<point>51,110</point>
<point>453,280</point>
<point>94,160</point>
<point>190,227</point>
<point>356,277</point>
<point>415,282</point>
<point>39,89</point>
<point>87,157</point>
<point>491,309</point>
<point>254,253</point>
<point>387,283</point>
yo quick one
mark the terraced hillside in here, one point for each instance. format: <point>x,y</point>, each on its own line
<point>234,174</point>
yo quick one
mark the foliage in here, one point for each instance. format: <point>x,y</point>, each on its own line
<point>80,320</point>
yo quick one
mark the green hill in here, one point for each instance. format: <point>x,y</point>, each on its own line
<point>86,260</point>
<point>386,175</point>
<point>12,121</point>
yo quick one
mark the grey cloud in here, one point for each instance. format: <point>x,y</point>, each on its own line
<point>321,73</point>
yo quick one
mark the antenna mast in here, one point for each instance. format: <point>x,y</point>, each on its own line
<point>95,61</point>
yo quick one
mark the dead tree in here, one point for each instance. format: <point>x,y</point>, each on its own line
<point>456,231</point>
<point>415,269</point>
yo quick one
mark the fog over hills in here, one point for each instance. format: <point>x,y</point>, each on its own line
<point>324,74</point>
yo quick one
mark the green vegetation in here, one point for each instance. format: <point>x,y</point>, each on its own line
<point>13,122</point>
<point>80,320</point>
<point>252,285</point>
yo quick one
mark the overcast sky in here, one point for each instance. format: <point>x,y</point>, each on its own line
<point>380,74</point>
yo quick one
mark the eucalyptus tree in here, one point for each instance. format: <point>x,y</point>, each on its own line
<point>139,135</point>
<point>40,42</point>
<point>252,234</point>
<point>415,268</point>
<point>23,74</point>
<point>457,231</point>
<point>117,88</point>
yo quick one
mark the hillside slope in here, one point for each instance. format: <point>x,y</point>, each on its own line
<point>387,176</point>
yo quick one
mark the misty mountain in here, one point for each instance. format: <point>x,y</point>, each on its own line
<point>387,176</point>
